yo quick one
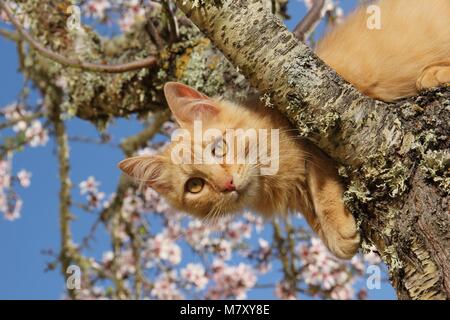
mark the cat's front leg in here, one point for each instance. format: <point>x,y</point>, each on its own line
<point>337,225</point>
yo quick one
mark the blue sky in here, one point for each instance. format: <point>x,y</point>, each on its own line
<point>22,264</point>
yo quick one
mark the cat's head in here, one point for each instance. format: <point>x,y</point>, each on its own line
<point>202,186</point>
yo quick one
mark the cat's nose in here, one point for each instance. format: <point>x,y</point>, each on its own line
<point>229,185</point>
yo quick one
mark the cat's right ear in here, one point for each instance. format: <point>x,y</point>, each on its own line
<point>148,170</point>
<point>188,104</point>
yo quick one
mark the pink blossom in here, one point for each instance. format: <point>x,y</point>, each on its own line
<point>163,248</point>
<point>223,249</point>
<point>283,291</point>
<point>97,8</point>
<point>195,274</point>
<point>238,229</point>
<point>165,287</point>
<point>24,178</point>
<point>131,204</point>
<point>89,185</point>
<point>5,177</point>
<point>342,293</point>
<point>197,234</point>
<point>134,14</point>
<point>232,281</point>
<point>36,134</point>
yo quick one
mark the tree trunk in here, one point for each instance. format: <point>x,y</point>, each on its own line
<point>395,156</point>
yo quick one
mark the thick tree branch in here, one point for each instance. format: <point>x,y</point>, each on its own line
<point>274,61</point>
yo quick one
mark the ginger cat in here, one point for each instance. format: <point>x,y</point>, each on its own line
<point>306,180</point>
<point>408,53</point>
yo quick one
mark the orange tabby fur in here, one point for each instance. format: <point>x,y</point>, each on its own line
<point>307,180</point>
<point>409,53</point>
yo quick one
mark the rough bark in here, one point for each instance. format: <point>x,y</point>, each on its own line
<point>395,156</point>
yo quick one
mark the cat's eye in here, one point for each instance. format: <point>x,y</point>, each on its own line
<point>195,185</point>
<point>219,148</point>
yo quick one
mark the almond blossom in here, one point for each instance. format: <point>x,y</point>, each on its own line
<point>24,178</point>
<point>161,247</point>
<point>232,281</point>
<point>195,274</point>
<point>165,287</point>
<point>97,8</point>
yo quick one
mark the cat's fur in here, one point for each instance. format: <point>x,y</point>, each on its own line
<point>307,180</point>
<point>409,53</point>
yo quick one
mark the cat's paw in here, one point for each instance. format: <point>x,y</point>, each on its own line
<point>434,76</point>
<point>344,247</point>
<point>341,236</point>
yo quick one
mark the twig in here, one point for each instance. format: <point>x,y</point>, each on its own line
<point>133,143</point>
<point>89,140</point>
<point>136,245</point>
<point>25,118</point>
<point>309,21</point>
<point>64,195</point>
<point>153,32</point>
<point>75,63</point>
<point>174,33</point>
<point>14,36</point>
<point>290,238</point>
<point>280,242</point>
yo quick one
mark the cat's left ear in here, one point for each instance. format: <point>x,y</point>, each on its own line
<point>188,104</point>
<point>147,170</point>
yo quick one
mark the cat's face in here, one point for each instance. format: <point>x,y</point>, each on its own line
<point>207,185</point>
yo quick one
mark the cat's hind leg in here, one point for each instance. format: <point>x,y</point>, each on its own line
<point>434,75</point>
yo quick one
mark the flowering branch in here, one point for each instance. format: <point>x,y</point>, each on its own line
<point>26,118</point>
<point>283,251</point>
<point>64,194</point>
<point>75,63</point>
<point>112,212</point>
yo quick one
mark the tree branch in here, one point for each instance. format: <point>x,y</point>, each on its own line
<point>310,20</point>
<point>75,63</point>
<point>25,118</point>
<point>64,196</point>
<point>172,21</point>
<point>153,32</point>
<point>133,143</point>
<point>13,36</point>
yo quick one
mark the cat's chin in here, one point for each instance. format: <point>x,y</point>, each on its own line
<point>234,196</point>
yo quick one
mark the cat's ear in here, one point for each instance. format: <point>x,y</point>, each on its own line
<point>188,105</point>
<point>147,170</point>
